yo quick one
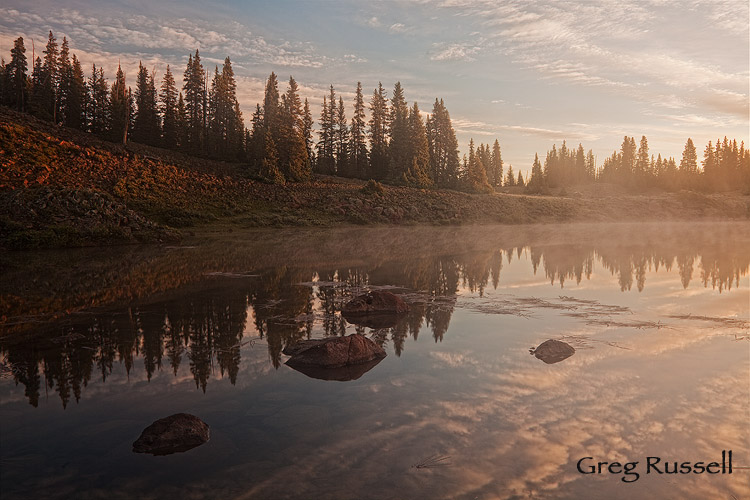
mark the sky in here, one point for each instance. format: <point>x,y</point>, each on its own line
<point>530,73</point>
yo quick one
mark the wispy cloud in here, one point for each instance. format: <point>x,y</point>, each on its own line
<point>454,52</point>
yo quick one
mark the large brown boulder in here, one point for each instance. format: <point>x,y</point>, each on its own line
<point>334,352</point>
<point>176,433</point>
<point>553,351</point>
<point>375,309</point>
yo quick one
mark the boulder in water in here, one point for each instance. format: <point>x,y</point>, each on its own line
<point>553,351</point>
<point>334,352</point>
<point>174,434</point>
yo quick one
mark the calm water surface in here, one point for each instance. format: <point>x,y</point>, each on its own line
<point>98,343</point>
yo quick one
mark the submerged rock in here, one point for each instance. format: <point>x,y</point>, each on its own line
<point>375,309</point>
<point>340,374</point>
<point>376,301</point>
<point>334,352</point>
<point>553,351</point>
<point>174,434</point>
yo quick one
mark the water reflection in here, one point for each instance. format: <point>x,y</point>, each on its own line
<point>199,305</point>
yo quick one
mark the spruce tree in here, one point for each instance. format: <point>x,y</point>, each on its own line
<point>65,75</point>
<point>710,169</point>
<point>182,120</point>
<point>36,92</point>
<point>642,162</point>
<point>195,102</point>
<point>520,181</point>
<point>307,126</point>
<point>417,174</point>
<point>495,173</point>
<point>98,113</point>
<point>536,182</point>
<point>443,147</point>
<point>269,166</point>
<point>326,158</point>
<point>16,70</point>
<point>168,102</point>
<point>476,174</point>
<point>510,180</point>
<point>78,100</point>
<point>689,163</point>
<point>47,95</point>
<point>294,160</point>
<point>398,145</point>
<point>342,141</point>
<point>378,126</point>
<point>146,124</point>
<point>119,108</point>
<point>358,136</point>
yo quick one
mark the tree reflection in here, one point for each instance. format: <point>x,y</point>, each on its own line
<point>201,329</point>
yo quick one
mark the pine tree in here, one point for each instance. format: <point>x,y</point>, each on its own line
<point>520,181</point>
<point>36,92</point>
<point>119,108</point>
<point>307,126</point>
<point>16,71</point>
<point>146,123</point>
<point>642,162</point>
<point>495,172</point>
<point>4,82</point>
<point>536,183</point>
<point>710,169</point>
<point>627,160</point>
<point>255,144</point>
<point>342,141</point>
<point>215,133</point>
<point>510,180</point>
<point>358,136</point>
<point>294,161</point>
<point>168,100</point>
<point>443,147</point>
<point>398,146</point>
<point>325,161</point>
<point>579,170</point>
<point>417,174</point>
<point>65,75</point>
<point>46,99</point>
<point>182,120</point>
<point>98,114</point>
<point>195,100</point>
<point>689,163</point>
<point>476,175</point>
<point>269,167</point>
<point>378,126</point>
<point>590,166</point>
<point>77,102</point>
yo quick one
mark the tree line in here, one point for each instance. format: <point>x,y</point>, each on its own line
<point>725,166</point>
<point>396,145</point>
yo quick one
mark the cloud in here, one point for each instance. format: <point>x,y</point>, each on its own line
<point>629,47</point>
<point>398,28</point>
<point>454,52</point>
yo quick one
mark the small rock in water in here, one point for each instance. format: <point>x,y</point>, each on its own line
<point>553,351</point>
<point>174,434</point>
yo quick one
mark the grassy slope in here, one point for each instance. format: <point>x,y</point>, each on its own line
<point>60,187</point>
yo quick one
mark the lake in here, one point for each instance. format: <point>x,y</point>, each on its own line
<point>98,343</point>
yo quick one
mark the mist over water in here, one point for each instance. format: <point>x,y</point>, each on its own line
<point>97,344</point>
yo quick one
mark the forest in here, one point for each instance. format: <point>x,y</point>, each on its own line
<point>396,145</point>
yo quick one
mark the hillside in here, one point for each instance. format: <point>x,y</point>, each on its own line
<point>60,187</point>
